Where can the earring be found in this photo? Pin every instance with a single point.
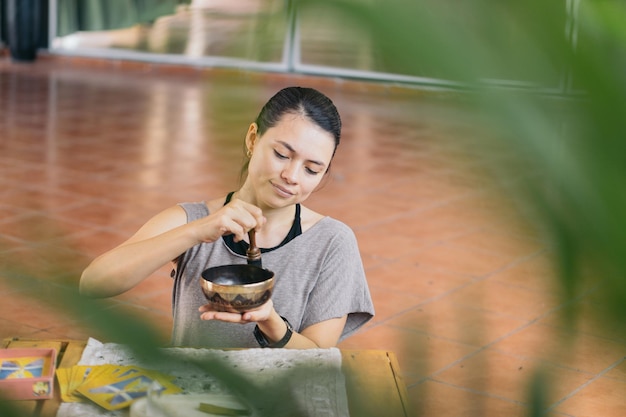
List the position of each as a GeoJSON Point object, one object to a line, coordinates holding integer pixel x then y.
{"type": "Point", "coordinates": [249, 153]}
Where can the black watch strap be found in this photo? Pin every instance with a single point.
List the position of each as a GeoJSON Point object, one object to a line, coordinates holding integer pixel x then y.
{"type": "Point", "coordinates": [264, 343]}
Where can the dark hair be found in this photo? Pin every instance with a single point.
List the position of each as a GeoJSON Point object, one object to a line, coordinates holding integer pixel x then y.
{"type": "Point", "coordinates": [304, 101]}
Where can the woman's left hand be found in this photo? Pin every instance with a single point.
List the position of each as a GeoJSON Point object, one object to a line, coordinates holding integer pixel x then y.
{"type": "Point", "coordinates": [324, 334]}
{"type": "Point", "coordinates": [259, 314]}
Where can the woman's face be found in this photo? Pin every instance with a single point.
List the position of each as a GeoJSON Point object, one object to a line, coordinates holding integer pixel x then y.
{"type": "Point", "coordinates": [288, 161]}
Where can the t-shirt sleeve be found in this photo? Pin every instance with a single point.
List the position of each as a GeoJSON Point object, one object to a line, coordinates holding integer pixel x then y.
{"type": "Point", "coordinates": [342, 287]}
{"type": "Point", "coordinates": [195, 210]}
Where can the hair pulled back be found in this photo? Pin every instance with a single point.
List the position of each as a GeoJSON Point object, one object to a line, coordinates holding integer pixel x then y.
{"type": "Point", "coordinates": [303, 101]}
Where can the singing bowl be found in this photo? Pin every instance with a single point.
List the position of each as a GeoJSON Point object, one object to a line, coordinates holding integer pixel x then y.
{"type": "Point", "coordinates": [237, 288]}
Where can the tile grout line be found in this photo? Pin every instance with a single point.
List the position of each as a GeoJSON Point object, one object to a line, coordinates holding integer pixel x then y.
{"type": "Point", "coordinates": [584, 385]}
{"type": "Point", "coordinates": [490, 344]}
{"type": "Point", "coordinates": [472, 281]}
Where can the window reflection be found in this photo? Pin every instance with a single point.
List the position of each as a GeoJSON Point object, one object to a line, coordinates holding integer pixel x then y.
{"type": "Point", "coordinates": [253, 30]}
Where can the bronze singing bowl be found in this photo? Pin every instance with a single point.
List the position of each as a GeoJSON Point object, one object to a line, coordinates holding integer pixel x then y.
{"type": "Point", "coordinates": [237, 288]}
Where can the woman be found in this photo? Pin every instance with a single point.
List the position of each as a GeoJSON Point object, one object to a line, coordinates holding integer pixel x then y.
{"type": "Point", "coordinates": [320, 294]}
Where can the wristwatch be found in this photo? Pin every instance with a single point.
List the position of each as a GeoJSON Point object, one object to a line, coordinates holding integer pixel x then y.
{"type": "Point", "coordinates": [264, 343]}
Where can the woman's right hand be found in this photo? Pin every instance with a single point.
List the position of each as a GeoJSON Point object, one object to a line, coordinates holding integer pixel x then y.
{"type": "Point", "coordinates": [237, 218]}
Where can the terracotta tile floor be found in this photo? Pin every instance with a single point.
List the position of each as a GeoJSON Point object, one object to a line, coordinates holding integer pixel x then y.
{"type": "Point", "coordinates": [465, 297]}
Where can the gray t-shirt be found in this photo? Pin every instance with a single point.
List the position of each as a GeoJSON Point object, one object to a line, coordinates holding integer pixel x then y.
{"type": "Point", "coordinates": [318, 276]}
